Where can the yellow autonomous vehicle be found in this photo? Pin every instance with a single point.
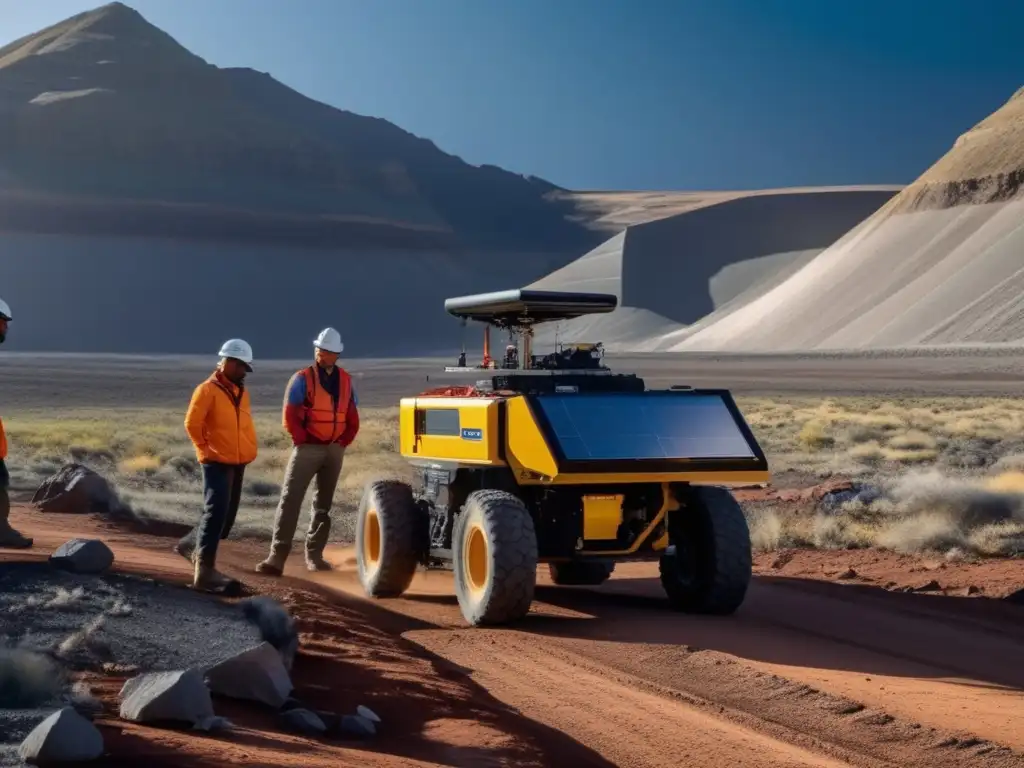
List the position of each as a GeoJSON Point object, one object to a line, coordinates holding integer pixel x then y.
{"type": "Point", "coordinates": [556, 459]}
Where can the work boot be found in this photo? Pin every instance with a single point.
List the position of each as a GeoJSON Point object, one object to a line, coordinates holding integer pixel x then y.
{"type": "Point", "coordinates": [207, 579]}
{"type": "Point", "coordinates": [315, 562]}
{"type": "Point", "coordinates": [270, 567]}
{"type": "Point", "coordinates": [316, 540]}
{"type": "Point", "coordinates": [11, 539]}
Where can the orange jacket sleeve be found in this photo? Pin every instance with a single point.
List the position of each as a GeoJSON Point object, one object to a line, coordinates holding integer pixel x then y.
{"type": "Point", "coordinates": [195, 417]}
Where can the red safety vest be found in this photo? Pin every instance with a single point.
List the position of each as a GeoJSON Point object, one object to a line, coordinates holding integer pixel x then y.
{"type": "Point", "coordinates": [325, 420]}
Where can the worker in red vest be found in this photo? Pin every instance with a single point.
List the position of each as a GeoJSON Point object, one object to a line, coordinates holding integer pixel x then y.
{"type": "Point", "coordinates": [320, 413]}
{"type": "Point", "coordinates": [9, 538]}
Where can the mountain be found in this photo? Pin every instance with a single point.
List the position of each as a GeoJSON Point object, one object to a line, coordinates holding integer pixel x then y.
{"type": "Point", "coordinates": [109, 126]}
{"type": "Point", "coordinates": [938, 265]}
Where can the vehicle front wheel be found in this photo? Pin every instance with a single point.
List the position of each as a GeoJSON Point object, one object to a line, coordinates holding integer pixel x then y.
{"type": "Point", "coordinates": [709, 564]}
{"type": "Point", "coordinates": [494, 549]}
{"type": "Point", "coordinates": [388, 538]}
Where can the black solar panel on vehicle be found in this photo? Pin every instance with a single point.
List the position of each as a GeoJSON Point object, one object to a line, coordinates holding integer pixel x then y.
{"type": "Point", "coordinates": [649, 425]}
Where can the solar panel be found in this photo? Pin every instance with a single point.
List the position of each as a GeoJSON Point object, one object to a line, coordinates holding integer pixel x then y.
{"type": "Point", "coordinates": [648, 425]}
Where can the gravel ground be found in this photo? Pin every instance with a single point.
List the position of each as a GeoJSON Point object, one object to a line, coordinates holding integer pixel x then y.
{"type": "Point", "coordinates": [86, 622]}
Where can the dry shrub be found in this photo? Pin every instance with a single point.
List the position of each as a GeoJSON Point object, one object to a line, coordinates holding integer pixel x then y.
{"type": "Point", "coordinates": [28, 679]}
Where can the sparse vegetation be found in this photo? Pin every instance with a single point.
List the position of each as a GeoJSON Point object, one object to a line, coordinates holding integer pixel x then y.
{"type": "Point", "coordinates": [147, 456]}
{"type": "Point", "coordinates": [952, 468]}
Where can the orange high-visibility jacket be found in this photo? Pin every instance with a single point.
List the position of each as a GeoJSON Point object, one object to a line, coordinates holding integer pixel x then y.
{"type": "Point", "coordinates": [3, 441]}
{"type": "Point", "coordinates": [219, 422]}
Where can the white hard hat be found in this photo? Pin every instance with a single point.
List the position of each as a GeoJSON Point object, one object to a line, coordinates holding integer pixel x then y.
{"type": "Point", "coordinates": [329, 340]}
{"type": "Point", "coordinates": [5, 310]}
{"type": "Point", "coordinates": [238, 349]}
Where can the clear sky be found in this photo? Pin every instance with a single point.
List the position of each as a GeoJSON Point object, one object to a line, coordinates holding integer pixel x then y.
{"type": "Point", "coordinates": [629, 94]}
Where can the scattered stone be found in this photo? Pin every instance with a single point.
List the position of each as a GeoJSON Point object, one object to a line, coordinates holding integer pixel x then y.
{"type": "Point", "coordinates": [256, 674]}
{"type": "Point", "coordinates": [275, 624]}
{"type": "Point", "coordinates": [971, 589]}
{"type": "Point", "coordinates": [159, 696]}
{"type": "Point", "coordinates": [82, 699]}
{"type": "Point", "coordinates": [331, 720]}
{"type": "Point", "coordinates": [356, 727]}
{"type": "Point", "coordinates": [76, 489]}
{"type": "Point", "coordinates": [849, 573]}
{"type": "Point", "coordinates": [303, 721]}
{"type": "Point", "coordinates": [63, 737]}
{"type": "Point", "coordinates": [368, 713]}
{"type": "Point", "coordinates": [931, 586]}
{"type": "Point", "coordinates": [782, 560]}
{"type": "Point", "coordinates": [213, 724]}
{"type": "Point", "coordinates": [83, 556]}
{"type": "Point", "coordinates": [291, 703]}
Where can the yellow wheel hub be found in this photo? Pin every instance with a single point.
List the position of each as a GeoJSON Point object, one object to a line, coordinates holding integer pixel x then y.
{"type": "Point", "coordinates": [476, 560]}
{"type": "Point", "coordinates": [371, 538]}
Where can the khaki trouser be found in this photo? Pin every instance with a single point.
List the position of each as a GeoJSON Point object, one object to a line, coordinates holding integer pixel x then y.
{"type": "Point", "coordinates": [321, 463]}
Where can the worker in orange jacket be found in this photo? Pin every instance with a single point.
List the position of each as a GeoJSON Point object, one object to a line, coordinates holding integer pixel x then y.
{"type": "Point", "coordinates": [9, 538]}
{"type": "Point", "coordinates": [321, 414]}
{"type": "Point", "coordinates": [219, 422]}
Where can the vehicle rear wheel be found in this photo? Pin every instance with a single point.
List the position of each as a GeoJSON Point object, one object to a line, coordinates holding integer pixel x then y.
{"type": "Point", "coordinates": [581, 572]}
{"type": "Point", "coordinates": [388, 532]}
{"type": "Point", "coordinates": [494, 549]}
{"type": "Point", "coordinates": [709, 564]}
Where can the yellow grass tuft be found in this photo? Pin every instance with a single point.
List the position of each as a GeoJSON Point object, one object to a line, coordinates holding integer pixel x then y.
{"type": "Point", "coordinates": [1006, 482]}
{"type": "Point", "coordinates": [141, 464]}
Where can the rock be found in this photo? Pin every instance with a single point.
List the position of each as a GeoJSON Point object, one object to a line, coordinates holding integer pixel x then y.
{"type": "Point", "coordinates": [275, 624]}
{"type": "Point", "coordinates": [931, 586]}
{"type": "Point", "coordinates": [255, 674]}
{"type": "Point", "coordinates": [213, 724]}
{"type": "Point", "coordinates": [76, 489]}
{"type": "Point", "coordinates": [832, 495]}
{"type": "Point", "coordinates": [971, 589]}
{"type": "Point", "coordinates": [849, 573]}
{"type": "Point", "coordinates": [291, 703]}
{"type": "Point", "coordinates": [356, 727]}
{"type": "Point", "coordinates": [368, 713]}
{"type": "Point", "coordinates": [331, 720]}
{"type": "Point", "coordinates": [63, 737]}
{"type": "Point", "coordinates": [781, 560]}
{"type": "Point", "coordinates": [83, 556]}
{"type": "Point", "coordinates": [303, 721]}
{"type": "Point", "coordinates": [158, 696]}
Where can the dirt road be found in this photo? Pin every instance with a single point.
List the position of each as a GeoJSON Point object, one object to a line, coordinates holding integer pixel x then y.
{"type": "Point", "coordinates": [806, 674]}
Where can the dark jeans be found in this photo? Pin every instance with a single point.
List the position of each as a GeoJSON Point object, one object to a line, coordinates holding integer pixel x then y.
{"type": "Point", "coordinates": [222, 492]}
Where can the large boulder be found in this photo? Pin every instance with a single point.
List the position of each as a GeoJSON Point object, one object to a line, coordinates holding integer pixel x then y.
{"type": "Point", "coordinates": [63, 737]}
{"type": "Point", "coordinates": [256, 674]}
{"type": "Point", "coordinates": [83, 556]}
{"type": "Point", "coordinates": [275, 624]}
{"type": "Point", "coordinates": [180, 696]}
{"type": "Point", "coordinates": [76, 489]}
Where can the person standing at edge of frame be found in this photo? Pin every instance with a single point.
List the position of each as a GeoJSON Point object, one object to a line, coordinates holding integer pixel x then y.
{"type": "Point", "coordinates": [9, 538]}
{"type": "Point", "coordinates": [321, 414]}
{"type": "Point", "coordinates": [219, 422]}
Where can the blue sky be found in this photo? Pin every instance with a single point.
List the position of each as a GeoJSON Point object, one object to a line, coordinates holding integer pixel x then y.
{"type": "Point", "coordinates": [629, 94]}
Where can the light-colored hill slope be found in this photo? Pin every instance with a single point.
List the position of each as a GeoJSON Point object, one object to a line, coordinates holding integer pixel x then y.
{"type": "Point", "coordinates": [941, 264]}
{"type": "Point", "coordinates": [669, 273]}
